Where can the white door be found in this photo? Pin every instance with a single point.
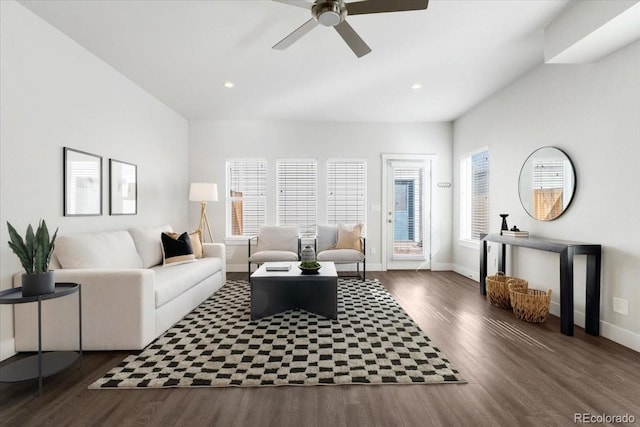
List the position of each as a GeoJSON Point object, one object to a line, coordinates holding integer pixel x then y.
{"type": "Point", "coordinates": [407, 212]}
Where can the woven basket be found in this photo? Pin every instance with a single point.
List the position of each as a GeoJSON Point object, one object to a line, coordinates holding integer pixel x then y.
{"type": "Point", "coordinates": [531, 305]}
{"type": "Point", "coordinates": [498, 290]}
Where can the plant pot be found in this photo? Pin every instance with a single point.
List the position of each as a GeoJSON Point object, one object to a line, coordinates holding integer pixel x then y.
{"type": "Point", "coordinates": [38, 284]}
{"type": "Point", "coordinates": [308, 254]}
{"type": "Point", "coordinates": [310, 270]}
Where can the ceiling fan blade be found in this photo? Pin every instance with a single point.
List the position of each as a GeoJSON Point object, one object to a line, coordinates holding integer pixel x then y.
{"type": "Point", "coordinates": [382, 6]}
{"type": "Point", "coordinates": [296, 35]}
{"type": "Point", "coordinates": [299, 3]}
{"type": "Point", "coordinates": [357, 45]}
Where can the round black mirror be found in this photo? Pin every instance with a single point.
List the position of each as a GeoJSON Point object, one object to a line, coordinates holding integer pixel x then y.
{"type": "Point", "coordinates": [547, 183]}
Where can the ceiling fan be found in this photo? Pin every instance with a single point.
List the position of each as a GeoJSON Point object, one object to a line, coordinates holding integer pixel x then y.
{"type": "Point", "coordinates": [333, 13]}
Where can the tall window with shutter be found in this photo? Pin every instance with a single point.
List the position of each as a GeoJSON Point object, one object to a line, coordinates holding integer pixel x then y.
{"type": "Point", "coordinates": [474, 195]}
{"type": "Point", "coordinates": [346, 191]}
{"type": "Point", "coordinates": [246, 196]}
{"type": "Point", "coordinates": [296, 187]}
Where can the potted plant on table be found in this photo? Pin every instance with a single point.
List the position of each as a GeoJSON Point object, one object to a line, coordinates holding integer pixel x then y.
{"type": "Point", "coordinates": [34, 253]}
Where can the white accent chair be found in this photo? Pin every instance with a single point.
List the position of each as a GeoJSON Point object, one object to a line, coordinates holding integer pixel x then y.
{"type": "Point", "coordinates": [274, 244]}
{"type": "Point", "coordinates": [326, 239]}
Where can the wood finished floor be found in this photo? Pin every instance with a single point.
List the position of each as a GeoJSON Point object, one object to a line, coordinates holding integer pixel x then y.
{"type": "Point", "coordinates": [518, 374]}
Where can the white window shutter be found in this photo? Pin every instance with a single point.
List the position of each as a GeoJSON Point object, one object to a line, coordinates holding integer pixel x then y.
{"type": "Point", "coordinates": [346, 191]}
{"type": "Point", "coordinates": [296, 186]}
{"type": "Point", "coordinates": [246, 196]}
{"type": "Point", "coordinates": [479, 194]}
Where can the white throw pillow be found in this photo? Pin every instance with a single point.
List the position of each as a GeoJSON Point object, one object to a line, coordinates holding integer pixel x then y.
{"type": "Point", "coordinates": [149, 244]}
{"type": "Point", "coordinates": [109, 249]}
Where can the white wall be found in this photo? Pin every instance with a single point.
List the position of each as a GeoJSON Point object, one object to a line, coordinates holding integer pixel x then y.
{"type": "Point", "coordinates": [592, 112]}
{"type": "Point", "coordinates": [54, 93]}
{"type": "Point", "coordinates": [211, 143]}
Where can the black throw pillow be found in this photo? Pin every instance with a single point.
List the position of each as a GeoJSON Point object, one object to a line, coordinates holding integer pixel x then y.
{"type": "Point", "coordinates": [177, 250]}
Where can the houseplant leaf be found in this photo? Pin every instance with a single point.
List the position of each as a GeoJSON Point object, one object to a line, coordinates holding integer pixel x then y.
{"type": "Point", "coordinates": [18, 247]}
{"type": "Point", "coordinates": [41, 246]}
{"type": "Point", "coordinates": [30, 240]}
{"type": "Point", "coordinates": [52, 245]}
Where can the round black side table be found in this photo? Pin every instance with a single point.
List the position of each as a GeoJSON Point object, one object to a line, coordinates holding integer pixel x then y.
{"type": "Point", "coordinates": [43, 364]}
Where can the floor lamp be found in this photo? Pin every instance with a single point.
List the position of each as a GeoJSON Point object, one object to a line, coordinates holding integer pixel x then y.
{"type": "Point", "coordinates": [203, 192]}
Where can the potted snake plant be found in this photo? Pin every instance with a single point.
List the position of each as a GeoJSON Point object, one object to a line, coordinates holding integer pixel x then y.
{"type": "Point", "coordinates": [34, 252]}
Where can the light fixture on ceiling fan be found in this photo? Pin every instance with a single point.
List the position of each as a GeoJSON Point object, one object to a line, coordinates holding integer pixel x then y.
{"type": "Point", "coordinates": [333, 13]}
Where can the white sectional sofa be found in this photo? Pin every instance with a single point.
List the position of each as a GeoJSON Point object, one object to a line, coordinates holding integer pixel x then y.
{"type": "Point", "coordinates": [128, 297]}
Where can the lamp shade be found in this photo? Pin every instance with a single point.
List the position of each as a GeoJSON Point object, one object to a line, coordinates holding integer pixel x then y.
{"type": "Point", "coordinates": [203, 191]}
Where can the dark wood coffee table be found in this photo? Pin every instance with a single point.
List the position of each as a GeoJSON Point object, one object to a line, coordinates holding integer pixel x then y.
{"type": "Point", "coordinates": [277, 291]}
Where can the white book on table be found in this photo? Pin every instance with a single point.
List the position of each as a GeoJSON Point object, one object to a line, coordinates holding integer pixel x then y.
{"type": "Point", "coordinates": [278, 266]}
{"type": "Point", "coordinates": [515, 233]}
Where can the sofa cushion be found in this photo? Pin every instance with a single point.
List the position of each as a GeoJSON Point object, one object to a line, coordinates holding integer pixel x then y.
{"type": "Point", "coordinates": [149, 244]}
{"type": "Point", "coordinates": [177, 248]}
{"type": "Point", "coordinates": [278, 238]}
{"type": "Point", "coordinates": [108, 249]}
{"type": "Point", "coordinates": [171, 282]}
{"type": "Point", "coordinates": [339, 256]}
{"type": "Point", "coordinates": [270, 256]}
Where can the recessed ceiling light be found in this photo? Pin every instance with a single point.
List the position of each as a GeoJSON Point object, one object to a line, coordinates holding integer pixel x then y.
{"type": "Point", "coordinates": [416, 86]}
{"type": "Point", "coordinates": [228, 85]}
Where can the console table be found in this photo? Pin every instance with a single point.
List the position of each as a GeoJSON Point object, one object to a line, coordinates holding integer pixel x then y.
{"type": "Point", "coordinates": [43, 364]}
{"type": "Point", "coordinates": [566, 250]}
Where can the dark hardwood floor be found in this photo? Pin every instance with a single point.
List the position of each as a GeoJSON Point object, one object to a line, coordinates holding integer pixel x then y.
{"type": "Point", "coordinates": [518, 374]}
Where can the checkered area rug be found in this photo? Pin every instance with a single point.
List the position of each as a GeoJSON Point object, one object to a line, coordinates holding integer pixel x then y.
{"type": "Point", "coordinates": [373, 341]}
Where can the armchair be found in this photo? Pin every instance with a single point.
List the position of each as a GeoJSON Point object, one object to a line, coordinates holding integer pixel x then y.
{"type": "Point", "coordinates": [274, 243]}
{"type": "Point", "coordinates": [329, 247]}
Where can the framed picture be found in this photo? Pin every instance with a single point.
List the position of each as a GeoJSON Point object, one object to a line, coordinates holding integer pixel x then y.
{"type": "Point", "coordinates": [123, 188]}
{"type": "Point", "coordinates": [82, 183]}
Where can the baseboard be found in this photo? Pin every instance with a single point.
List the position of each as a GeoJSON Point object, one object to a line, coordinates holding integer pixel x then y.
{"type": "Point", "coordinates": [471, 274]}
{"type": "Point", "coordinates": [443, 266]}
{"type": "Point", "coordinates": [578, 316]}
{"type": "Point", "coordinates": [620, 335]}
{"type": "Point", "coordinates": [7, 348]}
{"type": "Point", "coordinates": [607, 330]}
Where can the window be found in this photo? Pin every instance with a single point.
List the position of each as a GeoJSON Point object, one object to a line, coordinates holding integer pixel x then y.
{"type": "Point", "coordinates": [474, 195]}
{"type": "Point", "coordinates": [346, 191]}
{"type": "Point", "coordinates": [296, 181]}
{"type": "Point", "coordinates": [246, 197]}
